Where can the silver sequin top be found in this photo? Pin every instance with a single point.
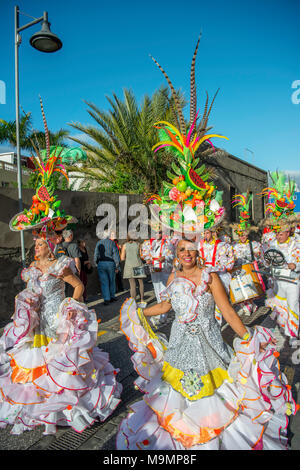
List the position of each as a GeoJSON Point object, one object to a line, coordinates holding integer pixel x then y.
{"type": "Point", "coordinates": [195, 341]}
{"type": "Point", "coordinates": [51, 291]}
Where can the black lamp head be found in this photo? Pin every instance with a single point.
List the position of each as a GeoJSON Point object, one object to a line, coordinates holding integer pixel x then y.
{"type": "Point", "coordinates": [44, 40]}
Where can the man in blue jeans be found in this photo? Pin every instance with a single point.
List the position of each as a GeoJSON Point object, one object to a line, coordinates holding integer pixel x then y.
{"type": "Point", "coordinates": [107, 260]}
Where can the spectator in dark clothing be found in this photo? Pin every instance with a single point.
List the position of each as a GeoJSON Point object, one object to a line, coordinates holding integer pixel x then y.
{"type": "Point", "coordinates": [59, 250]}
{"type": "Point", "coordinates": [74, 252]}
{"type": "Point", "coordinates": [119, 280]}
{"type": "Point", "coordinates": [107, 260]}
{"type": "Point", "coordinates": [72, 248]}
{"type": "Point", "coordinates": [85, 265]}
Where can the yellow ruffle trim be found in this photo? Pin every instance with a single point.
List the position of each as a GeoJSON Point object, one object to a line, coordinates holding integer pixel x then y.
{"type": "Point", "coordinates": [40, 340]}
{"type": "Point", "coordinates": [148, 328]}
{"type": "Point", "coordinates": [211, 381]}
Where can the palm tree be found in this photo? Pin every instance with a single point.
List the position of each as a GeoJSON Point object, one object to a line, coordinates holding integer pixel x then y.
{"type": "Point", "coordinates": [120, 156]}
{"type": "Point", "coordinates": [8, 132]}
{"type": "Point", "coordinates": [30, 140]}
{"type": "Point", "coordinates": [28, 136]}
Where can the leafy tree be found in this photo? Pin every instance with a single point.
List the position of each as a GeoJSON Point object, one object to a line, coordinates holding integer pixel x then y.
{"type": "Point", "coordinates": [31, 139]}
{"type": "Point", "coordinates": [28, 136]}
{"type": "Point", "coordinates": [119, 150]}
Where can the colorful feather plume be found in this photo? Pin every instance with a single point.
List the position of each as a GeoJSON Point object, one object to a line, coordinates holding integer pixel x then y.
{"type": "Point", "coordinates": [243, 201]}
{"type": "Point", "coordinates": [191, 197]}
{"type": "Point", "coordinates": [52, 163]}
{"type": "Point", "coordinates": [280, 205]}
{"type": "Point", "coordinates": [179, 141]}
{"type": "Point", "coordinates": [45, 208]}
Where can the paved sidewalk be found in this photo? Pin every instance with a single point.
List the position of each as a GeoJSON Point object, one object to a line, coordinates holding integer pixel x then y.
{"type": "Point", "coordinates": [101, 436]}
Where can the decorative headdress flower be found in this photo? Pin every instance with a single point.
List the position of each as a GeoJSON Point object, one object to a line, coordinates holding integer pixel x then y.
{"type": "Point", "coordinates": [47, 235]}
{"type": "Point", "coordinates": [45, 208]}
{"type": "Point", "coordinates": [191, 201]}
{"type": "Point", "coordinates": [280, 205]}
{"type": "Point", "coordinates": [243, 201]}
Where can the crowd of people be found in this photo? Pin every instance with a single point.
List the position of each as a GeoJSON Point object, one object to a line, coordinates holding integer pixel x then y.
{"type": "Point", "coordinates": [51, 373]}
{"type": "Point", "coordinates": [220, 251]}
{"type": "Point", "coordinates": [177, 266]}
{"type": "Point", "coordinates": [199, 393]}
{"type": "Point", "coordinates": [239, 263]}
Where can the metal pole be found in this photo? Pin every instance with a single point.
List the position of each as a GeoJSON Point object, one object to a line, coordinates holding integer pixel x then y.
{"type": "Point", "coordinates": [19, 168]}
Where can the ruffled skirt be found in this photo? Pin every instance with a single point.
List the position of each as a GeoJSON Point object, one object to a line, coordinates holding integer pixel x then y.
{"type": "Point", "coordinates": [249, 410]}
{"type": "Point", "coordinates": [66, 381]}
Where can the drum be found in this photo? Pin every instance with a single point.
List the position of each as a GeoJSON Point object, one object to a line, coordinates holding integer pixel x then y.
{"type": "Point", "coordinates": [245, 284]}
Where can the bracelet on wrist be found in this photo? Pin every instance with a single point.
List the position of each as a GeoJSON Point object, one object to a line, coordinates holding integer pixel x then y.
{"type": "Point", "coordinates": [248, 335]}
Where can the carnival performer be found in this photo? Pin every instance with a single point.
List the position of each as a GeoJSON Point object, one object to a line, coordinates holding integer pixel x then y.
{"type": "Point", "coordinates": [145, 250]}
{"type": "Point", "coordinates": [160, 259]}
{"type": "Point", "coordinates": [283, 294]}
{"type": "Point", "coordinates": [220, 234]}
{"type": "Point", "coordinates": [51, 372]}
{"type": "Point", "coordinates": [199, 394]}
{"type": "Point", "coordinates": [268, 236]}
{"type": "Point", "coordinates": [294, 232]}
{"type": "Point", "coordinates": [219, 257]}
{"type": "Point", "coordinates": [247, 252]}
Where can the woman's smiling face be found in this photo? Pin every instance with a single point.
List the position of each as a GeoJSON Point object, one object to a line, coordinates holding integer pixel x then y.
{"type": "Point", "coordinates": [187, 253]}
{"type": "Point", "coordinates": [41, 248]}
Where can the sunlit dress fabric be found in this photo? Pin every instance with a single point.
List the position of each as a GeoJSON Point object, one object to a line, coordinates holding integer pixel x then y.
{"type": "Point", "coordinates": [243, 255]}
{"type": "Point", "coordinates": [199, 394]}
{"type": "Point", "coordinates": [51, 372]}
{"type": "Point", "coordinates": [283, 297]}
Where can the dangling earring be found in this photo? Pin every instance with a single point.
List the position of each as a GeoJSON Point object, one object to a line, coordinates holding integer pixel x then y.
{"type": "Point", "coordinates": [177, 265]}
{"type": "Point", "coordinates": [200, 262]}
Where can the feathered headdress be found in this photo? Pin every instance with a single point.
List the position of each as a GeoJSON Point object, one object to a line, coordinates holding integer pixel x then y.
{"type": "Point", "coordinates": [243, 201]}
{"type": "Point", "coordinates": [190, 202]}
{"type": "Point", "coordinates": [280, 205]}
{"type": "Point", "coordinates": [45, 208]}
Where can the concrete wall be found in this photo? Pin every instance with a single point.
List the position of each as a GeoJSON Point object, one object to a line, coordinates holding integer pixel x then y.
{"type": "Point", "coordinates": [8, 175]}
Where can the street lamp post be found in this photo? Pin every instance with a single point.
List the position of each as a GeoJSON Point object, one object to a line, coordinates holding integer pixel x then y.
{"type": "Point", "coordinates": [44, 41]}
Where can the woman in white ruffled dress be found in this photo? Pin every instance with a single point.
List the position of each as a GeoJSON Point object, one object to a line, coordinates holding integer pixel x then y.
{"type": "Point", "coordinates": [51, 373]}
{"type": "Point", "coordinates": [199, 394]}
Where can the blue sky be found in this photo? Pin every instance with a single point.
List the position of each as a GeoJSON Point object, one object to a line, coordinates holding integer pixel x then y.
{"type": "Point", "coordinates": [249, 48]}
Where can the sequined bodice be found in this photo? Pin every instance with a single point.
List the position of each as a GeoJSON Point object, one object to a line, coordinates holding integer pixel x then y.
{"type": "Point", "coordinates": [195, 339]}
{"type": "Point", "coordinates": [51, 291]}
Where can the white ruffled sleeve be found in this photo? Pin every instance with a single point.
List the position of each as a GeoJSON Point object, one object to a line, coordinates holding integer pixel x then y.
{"type": "Point", "coordinates": [148, 348]}
{"type": "Point", "coordinates": [62, 263]}
{"type": "Point", "coordinates": [166, 294]}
